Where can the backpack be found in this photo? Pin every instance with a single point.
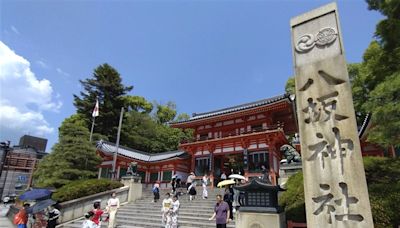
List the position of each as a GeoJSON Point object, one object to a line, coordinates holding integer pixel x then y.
{"type": "Point", "coordinates": [155, 190]}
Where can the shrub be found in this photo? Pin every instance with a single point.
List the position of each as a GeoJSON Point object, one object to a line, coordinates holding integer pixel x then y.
{"type": "Point", "coordinates": [293, 199]}
{"type": "Point", "coordinates": [81, 188]}
{"type": "Point", "coordinates": [383, 179]}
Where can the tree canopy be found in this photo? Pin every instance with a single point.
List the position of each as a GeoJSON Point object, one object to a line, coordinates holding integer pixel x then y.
{"type": "Point", "coordinates": [383, 179]}
{"type": "Point", "coordinates": [145, 124]}
{"type": "Point", "coordinates": [73, 157]}
{"type": "Point", "coordinates": [106, 86]}
{"type": "Point", "coordinates": [376, 80]}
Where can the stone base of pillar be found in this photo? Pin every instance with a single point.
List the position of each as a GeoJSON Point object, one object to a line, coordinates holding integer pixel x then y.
{"type": "Point", "coordinates": [260, 220]}
{"type": "Point", "coordinates": [135, 187]}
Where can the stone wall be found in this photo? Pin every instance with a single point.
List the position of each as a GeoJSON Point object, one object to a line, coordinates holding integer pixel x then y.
{"type": "Point", "coordinates": [76, 208]}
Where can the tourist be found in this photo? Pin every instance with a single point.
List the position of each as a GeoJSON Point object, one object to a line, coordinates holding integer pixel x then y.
{"type": "Point", "coordinates": [178, 181]}
{"type": "Point", "coordinates": [165, 207]}
{"type": "Point", "coordinates": [88, 222]}
{"type": "Point", "coordinates": [97, 214]}
{"type": "Point", "coordinates": [236, 194]}
{"type": "Point", "coordinates": [204, 182]}
{"type": "Point", "coordinates": [172, 218]}
{"type": "Point", "coordinates": [190, 180]}
{"type": "Point", "coordinates": [221, 213]}
{"type": "Point", "coordinates": [112, 208]}
{"type": "Point", "coordinates": [173, 184]}
{"type": "Point", "coordinates": [192, 191]}
{"type": "Point", "coordinates": [156, 192]}
{"type": "Point", "coordinates": [21, 218]}
{"type": "Point", "coordinates": [223, 176]}
{"type": "Point", "coordinates": [52, 216]}
{"type": "Point", "coordinates": [265, 175]}
{"type": "Point", "coordinates": [228, 197]}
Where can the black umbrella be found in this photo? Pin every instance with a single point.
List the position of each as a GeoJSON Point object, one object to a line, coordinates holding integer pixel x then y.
{"type": "Point", "coordinates": [41, 205]}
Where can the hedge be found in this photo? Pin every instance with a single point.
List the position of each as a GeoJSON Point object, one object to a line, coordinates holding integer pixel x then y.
{"type": "Point", "coordinates": [383, 179]}
{"type": "Point", "coordinates": [82, 188]}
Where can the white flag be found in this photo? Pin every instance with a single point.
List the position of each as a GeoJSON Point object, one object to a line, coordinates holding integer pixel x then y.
{"type": "Point", "coordinates": [96, 109]}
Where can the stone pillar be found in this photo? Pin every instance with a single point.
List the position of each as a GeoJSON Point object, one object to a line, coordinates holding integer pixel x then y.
{"type": "Point", "coordinates": [135, 187]}
{"type": "Point", "coordinates": [335, 188]}
{"type": "Point", "coordinates": [260, 220]}
{"type": "Point", "coordinates": [99, 175]}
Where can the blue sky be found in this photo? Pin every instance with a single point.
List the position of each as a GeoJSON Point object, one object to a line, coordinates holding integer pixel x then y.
{"type": "Point", "coordinates": [203, 55]}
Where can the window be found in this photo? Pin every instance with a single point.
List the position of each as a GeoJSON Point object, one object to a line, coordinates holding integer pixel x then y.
{"type": "Point", "coordinates": [257, 159]}
{"type": "Point", "coordinates": [167, 175]}
{"type": "Point", "coordinates": [203, 137]}
{"type": "Point", "coordinates": [105, 173]}
{"type": "Point", "coordinates": [256, 127]}
{"type": "Point", "coordinates": [153, 177]}
{"type": "Point", "coordinates": [122, 172]}
{"type": "Point", "coordinates": [142, 175]}
{"type": "Point", "coordinates": [202, 166]}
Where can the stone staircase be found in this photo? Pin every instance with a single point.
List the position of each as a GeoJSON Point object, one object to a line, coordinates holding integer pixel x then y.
{"type": "Point", "coordinates": [145, 213]}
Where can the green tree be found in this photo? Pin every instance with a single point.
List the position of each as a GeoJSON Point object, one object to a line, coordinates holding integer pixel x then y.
{"type": "Point", "coordinates": [73, 157]}
{"type": "Point", "coordinates": [375, 82]}
{"type": "Point", "coordinates": [182, 117]}
{"type": "Point", "coordinates": [105, 85]}
{"type": "Point", "coordinates": [138, 104]}
{"type": "Point", "coordinates": [165, 113]}
{"type": "Point", "coordinates": [290, 86]}
{"type": "Point", "coordinates": [383, 180]}
{"type": "Point", "coordinates": [141, 132]}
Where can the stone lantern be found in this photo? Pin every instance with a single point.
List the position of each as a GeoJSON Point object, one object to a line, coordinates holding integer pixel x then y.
{"type": "Point", "coordinates": [260, 206]}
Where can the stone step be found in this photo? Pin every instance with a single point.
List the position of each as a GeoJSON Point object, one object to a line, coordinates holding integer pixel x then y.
{"type": "Point", "coordinates": [182, 210]}
{"type": "Point", "coordinates": [184, 203]}
{"type": "Point", "coordinates": [157, 218]}
{"type": "Point", "coordinates": [78, 224]}
{"type": "Point", "coordinates": [158, 207]}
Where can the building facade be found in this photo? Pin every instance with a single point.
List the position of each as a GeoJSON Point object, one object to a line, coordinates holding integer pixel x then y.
{"type": "Point", "coordinates": [19, 164]}
{"type": "Point", "coordinates": [241, 139]}
{"type": "Point", "coordinates": [151, 167]}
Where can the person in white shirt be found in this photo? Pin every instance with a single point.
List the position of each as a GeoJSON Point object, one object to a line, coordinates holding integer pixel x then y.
{"type": "Point", "coordinates": [166, 205]}
{"type": "Point", "coordinates": [204, 182]}
{"type": "Point", "coordinates": [190, 180]}
{"type": "Point", "coordinates": [112, 208]}
{"type": "Point", "coordinates": [223, 176]}
{"type": "Point", "coordinates": [88, 223]}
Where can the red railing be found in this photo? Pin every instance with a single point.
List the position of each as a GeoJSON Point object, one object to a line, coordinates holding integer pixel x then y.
{"type": "Point", "coordinates": [291, 224]}
{"type": "Point", "coordinates": [233, 133]}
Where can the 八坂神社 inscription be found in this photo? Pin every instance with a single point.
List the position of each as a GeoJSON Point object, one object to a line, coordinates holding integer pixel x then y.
{"type": "Point", "coordinates": [334, 179]}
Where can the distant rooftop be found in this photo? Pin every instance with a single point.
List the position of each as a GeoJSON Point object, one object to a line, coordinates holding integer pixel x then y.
{"type": "Point", "coordinates": [33, 141]}
{"type": "Point", "coordinates": [236, 108]}
{"type": "Point", "coordinates": [110, 148]}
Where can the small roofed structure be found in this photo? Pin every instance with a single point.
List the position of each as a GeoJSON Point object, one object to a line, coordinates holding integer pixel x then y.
{"type": "Point", "coordinates": [260, 196]}
{"type": "Point", "coordinates": [151, 167]}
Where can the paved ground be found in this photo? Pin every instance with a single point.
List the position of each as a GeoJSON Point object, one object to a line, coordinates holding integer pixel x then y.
{"type": "Point", "coordinates": [4, 221]}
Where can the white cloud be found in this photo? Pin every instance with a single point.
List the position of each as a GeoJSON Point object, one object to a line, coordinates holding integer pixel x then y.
{"type": "Point", "coordinates": [23, 97]}
{"type": "Point", "coordinates": [63, 73]}
{"type": "Point", "coordinates": [15, 30]}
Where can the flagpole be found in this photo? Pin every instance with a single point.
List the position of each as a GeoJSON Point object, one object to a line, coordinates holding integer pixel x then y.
{"type": "Point", "coordinates": [94, 114]}
{"type": "Point", "coordinates": [91, 131]}
{"type": "Point", "coordinates": [117, 145]}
